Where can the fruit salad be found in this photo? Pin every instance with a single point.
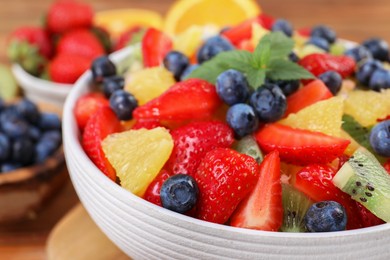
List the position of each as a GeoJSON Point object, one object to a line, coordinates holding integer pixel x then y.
{"type": "Point", "coordinates": [256, 126]}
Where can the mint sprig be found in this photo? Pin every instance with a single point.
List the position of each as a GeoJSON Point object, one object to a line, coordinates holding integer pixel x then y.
{"type": "Point", "coordinates": [269, 60]}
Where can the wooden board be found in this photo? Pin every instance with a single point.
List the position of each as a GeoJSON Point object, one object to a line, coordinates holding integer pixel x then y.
{"type": "Point", "coordinates": [77, 237]}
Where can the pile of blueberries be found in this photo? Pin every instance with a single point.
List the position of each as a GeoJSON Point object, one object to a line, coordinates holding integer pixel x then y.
{"type": "Point", "coordinates": [27, 135]}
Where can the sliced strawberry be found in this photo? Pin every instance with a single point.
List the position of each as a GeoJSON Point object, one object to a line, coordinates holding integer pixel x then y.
{"type": "Point", "coordinates": [152, 193]}
{"type": "Point", "coordinates": [101, 124]}
{"type": "Point", "coordinates": [318, 63]}
{"type": "Point", "coordinates": [190, 99]}
{"type": "Point", "coordinates": [304, 32]}
{"type": "Point", "coordinates": [224, 178]}
{"type": "Point", "coordinates": [87, 105]}
{"type": "Point", "coordinates": [368, 219]}
{"type": "Point", "coordinates": [299, 146]}
{"type": "Point", "coordinates": [193, 141]}
{"type": "Point", "coordinates": [133, 35]}
{"type": "Point", "coordinates": [309, 94]}
{"type": "Point", "coordinates": [246, 45]}
{"type": "Point", "coordinates": [155, 45]}
{"type": "Point", "coordinates": [386, 165]}
{"type": "Point", "coordinates": [147, 124]}
{"type": "Point", "coordinates": [316, 182]}
{"type": "Point", "coordinates": [243, 31]}
{"type": "Point", "coordinates": [262, 209]}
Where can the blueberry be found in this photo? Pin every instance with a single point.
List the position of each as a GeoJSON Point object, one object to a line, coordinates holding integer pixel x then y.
{"type": "Point", "coordinates": [102, 67]}
{"type": "Point", "coordinates": [325, 216]}
{"type": "Point", "coordinates": [2, 104]}
{"type": "Point", "coordinates": [319, 42]}
{"type": "Point", "coordinates": [179, 193]}
{"type": "Point", "coordinates": [10, 166]}
{"type": "Point", "coordinates": [112, 83]}
{"type": "Point", "coordinates": [49, 121]}
{"type": "Point", "coordinates": [332, 80]}
{"type": "Point", "coordinates": [378, 48]}
{"type": "Point", "coordinates": [232, 87]}
{"type": "Point", "coordinates": [269, 102]}
{"type": "Point", "coordinates": [380, 79]}
{"type": "Point", "coordinates": [5, 147]}
{"type": "Point", "coordinates": [358, 53]}
{"type": "Point", "coordinates": [212, 47]}
{"type": "Point", "coordinates": [293, 57]}
{"type": "Point", "coordinates": [287, 86]}
{"type": "Point", "coordinates": [365, 71]}
{"type": "Point", "coordinates": [34, 133]}
{"type": "Point", "coordinates": [324, 32]}
{"type": "Point", "coordinates": [28, 110]}
{"type": "Point", "coordinates": [380, 138]}
{"type": "Point", "coordinates": [188, 71]}
{"type": "Point", "coordinates": [15, 127]}
{"type": "Point", "coordinates": [22, 151]}
{"type": "Point", "coordinates": [47, 145]}
{"type": "Point", "coordinates": [284, 26]}
{"type": "Point", "coordinates": [176, 62]}
{"type": "Point", "coordinates": [123, 103]}
{"type": "Point", "coordinates": [242, 119]}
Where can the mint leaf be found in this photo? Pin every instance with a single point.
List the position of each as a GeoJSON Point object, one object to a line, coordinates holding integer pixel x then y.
{"type": "Point", "coordinates": [287, 70]}
{"type": "Point", "coordinates": [255, 77]}
{"type": "Point", "coordinates": [210, 70]}
{"type": "Point", "coordinates": [281, 45]}
{"type": "Point", "coordinates": [262, 53]}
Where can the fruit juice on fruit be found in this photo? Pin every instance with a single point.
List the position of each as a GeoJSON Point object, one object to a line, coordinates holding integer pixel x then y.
{"type": "Point", "coordinates": [205, 120]}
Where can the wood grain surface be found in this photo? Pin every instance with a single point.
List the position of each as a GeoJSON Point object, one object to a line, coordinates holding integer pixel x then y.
{"type": "Point", "coordinates": [352, 19]}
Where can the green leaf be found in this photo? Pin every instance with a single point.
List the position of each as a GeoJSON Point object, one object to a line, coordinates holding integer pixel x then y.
{"type": "Point", "coordinates": [210, 70]}
{"type": "Point", "coordinates": [287, 70]}
{"type": "Point", "coordinates": [256, 77]}
{"type": "Point", "coordinates": [281, 45]}
{"type": "Point", "coordinates": [262, 53]}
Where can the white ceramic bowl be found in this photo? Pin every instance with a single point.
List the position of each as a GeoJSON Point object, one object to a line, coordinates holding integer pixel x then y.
{"type": "Point", "coordinates": [40, 90]}
{"type": "Point", "coordinates": [145, 231]}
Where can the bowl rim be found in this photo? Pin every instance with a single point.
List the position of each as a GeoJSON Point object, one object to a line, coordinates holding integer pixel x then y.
{"type": "Point", "coordinates": [72, 145]}
{"type": "Point", "coordinates": [37, 84]}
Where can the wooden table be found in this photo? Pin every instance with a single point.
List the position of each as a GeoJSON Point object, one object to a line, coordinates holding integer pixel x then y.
{"type": "Point", "coordinates": [352, 19]}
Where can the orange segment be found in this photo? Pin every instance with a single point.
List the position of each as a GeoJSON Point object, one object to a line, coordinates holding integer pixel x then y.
{"type": "Point", "coordinates": [119, 20]}
{"type": "Point", "coordinates": [185, 13]}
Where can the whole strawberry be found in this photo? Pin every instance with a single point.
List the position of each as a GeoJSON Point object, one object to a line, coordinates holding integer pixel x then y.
{"type": "Point", "coordinates": [318, 63]}
{"type": "Point", "coordinates": [80, 42]}
{"type": "Point", "coordinates": [224, 178]}
{"type": "Point", "coordinates": [66, 15]}
{"type": "Point", "coordinates": [30, 47]}
{"type": "Point", "coordinates": [193, 141]}
{"type": "Point", "coordinates": [67, 68]}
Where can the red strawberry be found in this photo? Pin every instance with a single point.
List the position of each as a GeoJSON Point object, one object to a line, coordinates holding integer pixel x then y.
{"type": "Point", "coordinates": [155, 45]}
{"type": "Point", "coordinates": [299, 146]}
{"type": "Point", "coordinates": [193, 141]}
{"type": "Point", "coordinates": [87, 105]}
{"type": "Point", "coordinates": [130, 36]}
{"type": "Point", "coordinates": [190, 99]}
{"type": "Point", "coordinates": [67, 15]}
{"type": "Point", "coordinates": [318, 63]}
{"type": "Point", "coordinates": [224, 178]}
{"type": "Point", "coordinates": [263, 209]}
{"type": "Point", "coordinates": [80, 42]}
{"type": "Point", "coordinates": [147, 124]}
{"type": "Point", "coordinates": [368, 219]}
{"type": "Point", "coordinates": [316, 182]}
{"type": "Point", "coordinates": [101, 124]}
{"type": "Point", "coordinates": [152, 193]}
{"type": "Point", "coordinates": [67, 68]}
{"type": "Point", "coordinates": [387, 166]}
{"type": "Point", "coordinates": [304, 32]}
{"type": "Point", "coordinates": [309, 94]}
{"type": "Point", "coordinates": [243, 31]}
{"type": "Point", "coordinates": [30, 47]}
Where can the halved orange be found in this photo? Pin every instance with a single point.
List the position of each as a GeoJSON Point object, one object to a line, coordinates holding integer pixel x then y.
{"type": "Point", "coordinates": [185, 13]}
{"type": "Point", "coordinates": [118, 21]}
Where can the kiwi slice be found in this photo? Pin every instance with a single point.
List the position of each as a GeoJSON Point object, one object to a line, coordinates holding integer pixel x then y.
{"type": "Point", "coordinates": [248, 145]}
{"type": "Point", "coordinates": [8, 87]}
{"type": "Point", "coordinates": [365, 179]}
{"type": "Point", "coordinates": [295, 205]}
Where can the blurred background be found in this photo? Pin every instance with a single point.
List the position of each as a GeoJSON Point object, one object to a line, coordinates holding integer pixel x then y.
{"type": "Point", "coordinates": [352, 19]}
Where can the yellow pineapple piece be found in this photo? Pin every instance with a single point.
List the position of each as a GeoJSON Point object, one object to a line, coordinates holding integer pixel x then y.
{"type": "Point", "coordinates": [353, 145]}
{"type": "Point", "coordinates": [149, 83]}
{"type": "Point", "coordinates": [138, 156]}
{"type": "Point", "coordinates": [367, 106]}
{"type": "Point", "coordinates": [258, 32]}
{"type": "Point", "coordinates": [323, 116]}
{"type": "Point", "coordinates": [188, 41]}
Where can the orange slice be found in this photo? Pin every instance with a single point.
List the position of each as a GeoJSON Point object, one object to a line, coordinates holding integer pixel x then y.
{"type": "Point", "coordinates": [185, 13]}
{"type": "Point", "coordinates": [118, 21]}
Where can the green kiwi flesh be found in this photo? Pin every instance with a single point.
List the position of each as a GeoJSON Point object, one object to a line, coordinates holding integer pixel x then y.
{"type": "Point", "coordinates": [248, 145]}
{"type": "Point", "coordinates": [295, 205]}
{"type": "Point", "coordinates": [365, 179]}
